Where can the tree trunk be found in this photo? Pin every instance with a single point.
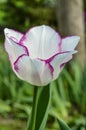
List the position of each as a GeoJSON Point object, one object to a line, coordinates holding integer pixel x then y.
{"type": "Point", "coordinates": [70, 19]}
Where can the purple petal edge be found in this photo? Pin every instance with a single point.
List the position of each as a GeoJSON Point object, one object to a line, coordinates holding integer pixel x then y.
{"type": "Point", "coordinates": [24, 36]}
{"type": "Point", "coordinates": [51, 58]}
{"type": "Point", "coordinates": [25, 48]}
{"type": "Point", "coordinates": [16, 66]}
{"type": "Point", "coordinates": [15, 63]}
{"type": "Point", "coordinates": [13, 38]}
{"type": "Point", "coordinates": [47, 61]}
{"type": "Point", "coordinates": [63, 64]}
{"type": "Point", "coordinates": [60, 43]}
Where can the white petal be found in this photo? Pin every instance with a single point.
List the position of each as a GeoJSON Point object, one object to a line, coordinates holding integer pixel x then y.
{"type": "Point", "coordinates": [33, 71]}
{"type": "Point", "coordinates": [14, 50]}
{"type": "Point", "coordinates": [58, 60]}
{"type": "Point", "coordinates": [42, 41]}
{"type": "Point", "coordinates": [69, 43]}
{"type": "Point", "coordinates": [14, 35]}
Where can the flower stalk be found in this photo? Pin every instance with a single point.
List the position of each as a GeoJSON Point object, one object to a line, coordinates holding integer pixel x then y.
{"type": "Point", "coordinates": [32, 122]}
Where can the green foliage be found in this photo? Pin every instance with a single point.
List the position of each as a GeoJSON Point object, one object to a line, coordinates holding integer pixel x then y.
{"type": "Point", "coordinates": [41, 104]}
{"type": "Point", "coordinates": [68, 95]}
{"type": "Point", "coordinates": [68, 91]}
{"type": "Point", "coordinates": [22, 15]}
{"type": "Point", "coordinates": [43, 107]}
{"type": "Point", "coordinates": [63, 125]}
{"type": "Point", "coordinates": [11, 124]}
{"type": "Point", "coordinates": [14, 92]}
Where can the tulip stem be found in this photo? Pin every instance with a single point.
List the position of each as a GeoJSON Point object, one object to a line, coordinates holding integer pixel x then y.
{"type": "Point", "coordinates": [32, 122]}
{"type": "Point", "coordinates": [34, 107]}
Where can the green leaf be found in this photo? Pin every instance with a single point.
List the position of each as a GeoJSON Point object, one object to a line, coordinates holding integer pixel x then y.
{"type": "Point", "coordinates": [63, 125]}
{"type": "Point", "coordinates": [43, 107]}
{"type": "Point", "coordinates": [4, 107]}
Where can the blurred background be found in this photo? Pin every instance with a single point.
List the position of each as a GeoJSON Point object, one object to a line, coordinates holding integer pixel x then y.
{"type": "Point", "coordinates": [69, 90]}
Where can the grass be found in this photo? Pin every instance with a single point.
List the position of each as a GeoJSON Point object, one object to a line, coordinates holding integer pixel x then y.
{"type": "Point", "coordinates": [68, 97]}
{"type": "Point", "coordinates": [10, 124]}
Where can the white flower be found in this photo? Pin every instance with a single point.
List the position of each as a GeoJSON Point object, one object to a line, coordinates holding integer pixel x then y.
{"type": "Point", "coordinates": [39, 55]}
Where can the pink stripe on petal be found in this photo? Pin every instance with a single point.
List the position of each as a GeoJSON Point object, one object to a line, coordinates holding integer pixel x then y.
{"type": "Point", "coordinates": [14, 39]}
{"type": "Point", "coordinates": [60, 61]}
{"type": "Point", "coordinates": [24, 36]}
{"type": "Point", "coordinates": [14, 49]}
{"type": "Point", "coordinates": [15, 63]}
{"type": "Point", "coordinates": [49, 65]}
{"type": "Point", "coordinates": [42, 41]}
{"type": "Point", "coordinates": [51, 69]}
{"type": "Point", "coordinates": [51, 58]}
{"type": "Point", "coordinates": [25, 48]}
{"type": "Point", "coordinates": [15, 35]}
{"type": "Point", "coordinates": [22, 39]}
{"type": "Point", "coordinates": [59, 45]}
{"type": "Point", "coordinates": [33, 71]}
{"type": "Point", "coordinates": [63, 64]}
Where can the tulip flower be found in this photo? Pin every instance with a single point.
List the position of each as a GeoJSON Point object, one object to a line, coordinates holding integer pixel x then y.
{"type": "Point", "coordinates": [39, 55]}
